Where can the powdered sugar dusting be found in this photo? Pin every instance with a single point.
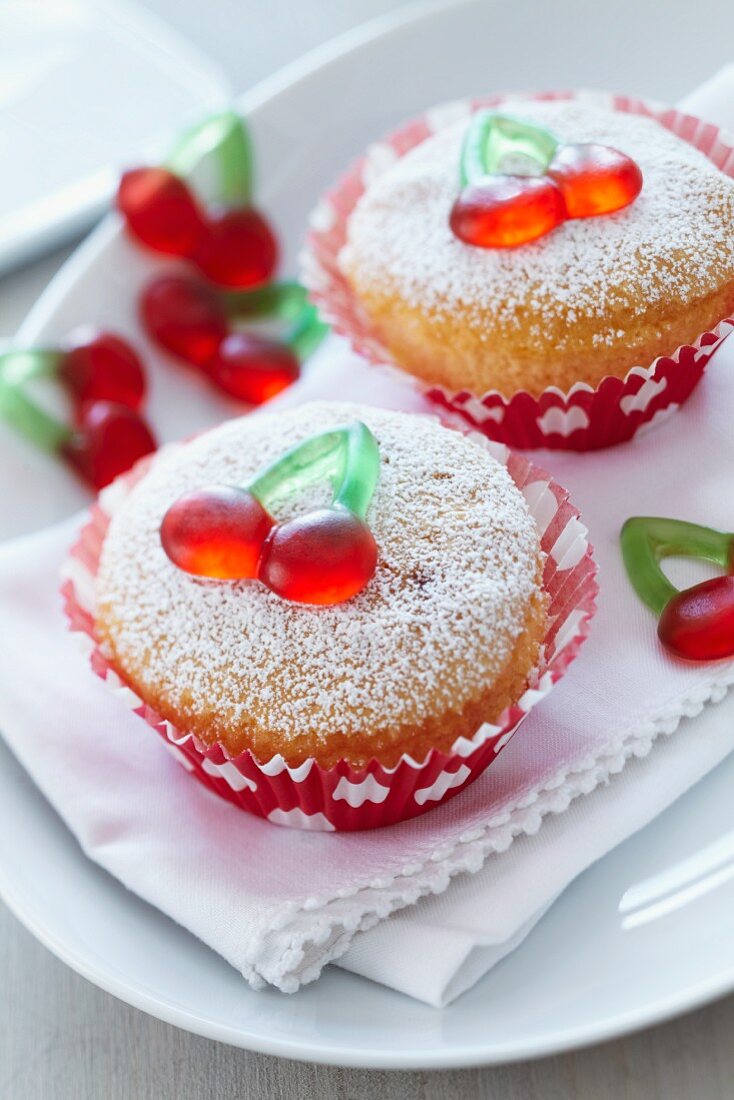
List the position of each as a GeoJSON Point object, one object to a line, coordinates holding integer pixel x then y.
{"type": "Point", "coordinates": [457, 569]}
{"type": "Point", "coordinates": [673, 242]}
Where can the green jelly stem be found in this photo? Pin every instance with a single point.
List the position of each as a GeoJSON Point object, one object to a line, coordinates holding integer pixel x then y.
{"type": "Point", "coordinates": [646, 540]}
{"type": "Point", "coordinates": [225, 137]}
{"type": "Point", "coordinates": [491, 137]}
{"type": "Point", "coordinates": [361, 470]}
{"type": "Point", "coordinates": [307, 333]}
{"type": "Point", "coordinates": [348, 457]}
{"type": "Point", "coordinates": [285, 300]}
{"type": "Point", "coordinates": [21, 365]}
{"type": "Point", "coordinates": [35, 424]}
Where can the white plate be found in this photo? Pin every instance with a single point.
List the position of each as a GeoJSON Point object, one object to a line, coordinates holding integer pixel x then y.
{"type": "Point", "coordinates": [584, 974]}
{"type": "Point", "coordinates": [592, 968]}
{"type": "Point", "coordinates": [84, 86]}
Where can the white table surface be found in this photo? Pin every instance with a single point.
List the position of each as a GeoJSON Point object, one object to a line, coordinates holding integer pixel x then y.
{"type": "Point", "coordinates": [63, 1039]}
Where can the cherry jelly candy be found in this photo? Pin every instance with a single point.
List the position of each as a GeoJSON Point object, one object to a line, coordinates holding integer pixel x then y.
{"type": "Point", "coordinates": [216, 532]}
{"type": "Point", "coordinates": [160, 210]}
{"type": "Point", "coordinates": [595, 179]}
{"type": "Point", "coordinates": [324, 557]}
{"type": "Point", "coordinates": [252, 368]}
{"type": "Point", "coordinates": [185, 317]}
{"type": "Point", "coordinates": [698, 623]}
{"type": "Point", "coordinates": [237, 248]}
{"type": "Point", "coordinates": [507, 211]}
{"type": "Point", "coordinates": [97, 365]}
{"type": "Point", "coordinates": [110, 438]}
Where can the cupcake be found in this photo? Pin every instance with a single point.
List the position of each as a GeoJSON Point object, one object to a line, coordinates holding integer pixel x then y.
{"type": "Point", "coordinates": [331, 594]}
{"type": "Point", "coordinates": [581, 294]}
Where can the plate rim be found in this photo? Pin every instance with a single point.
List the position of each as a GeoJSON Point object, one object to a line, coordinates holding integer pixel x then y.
{"type": "Point", "coordinates": [271, 86]}
{"type": "Point", "coordinates": [562, 1041]}
{"type": "Point", "coordinates": [84, 199]}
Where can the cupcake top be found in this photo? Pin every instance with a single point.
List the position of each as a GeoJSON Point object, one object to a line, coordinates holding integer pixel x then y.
{"type": "Point", "coordinates": [457, 581]}
{"type": "Point", "coordinates": [673, 243]}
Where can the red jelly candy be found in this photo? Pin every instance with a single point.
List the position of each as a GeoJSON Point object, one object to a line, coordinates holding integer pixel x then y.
{"type": "Point", "coordinates": [99, 366]}
{"type": "Point", "coordinates": [698, 623]}
{"type": "Point", "coordinates": [159, 210]}
{"type": "Point", "coordinates": [507, 211]}
{"type": "Point", "coordinates": [252, 368]}
{"type": "Point", "coordinates": [109, 440]}
{"type": "Point", "coordinates": [324, 557]}
{"type": "Point", "coordinates": [216, 532]}
{"type": "Point", "coordinates": [185, 317]}
{"type": "Point", "coordinates": [237, 248]}
{"type": "Point", "coordinates": [595, 179]}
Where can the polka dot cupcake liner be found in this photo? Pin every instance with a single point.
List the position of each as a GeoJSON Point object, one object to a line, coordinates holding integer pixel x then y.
{"type": "Point", "coordinates": [343, 797]}
{"type": "Point", "coordinates": [584, 418]}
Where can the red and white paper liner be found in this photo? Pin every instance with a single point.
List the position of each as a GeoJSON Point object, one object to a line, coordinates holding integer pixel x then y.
{"type": "Point", "coordinates": [344, 797]}
{"type": "Point", "coordinates": [585, 418]}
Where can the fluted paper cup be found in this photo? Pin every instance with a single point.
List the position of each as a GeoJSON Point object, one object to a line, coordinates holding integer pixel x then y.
{"type": "Point", "coordinates": [584, 418]}
{"type": "Point", "coordinates": [344, 797]}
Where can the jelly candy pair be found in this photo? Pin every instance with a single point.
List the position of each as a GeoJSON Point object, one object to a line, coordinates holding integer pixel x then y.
{"type": "Point", "coordinates": [105, 381]}
{"type": "Point", "coordinates": [230, 242]}
{"type": "Point", "coordinates": [697, 623]}
{"type": "Point", "coordinates": [325, 557]}
{"type": "Point", "coordinates": [194, 322]}
{"type": "Point", "coordinates": [519, 182]}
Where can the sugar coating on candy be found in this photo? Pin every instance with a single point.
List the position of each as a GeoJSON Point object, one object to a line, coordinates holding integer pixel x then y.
{"type": "Point", "coordinates": [457, 570]}
{"type": "Point", "coordinates": [674, 241]}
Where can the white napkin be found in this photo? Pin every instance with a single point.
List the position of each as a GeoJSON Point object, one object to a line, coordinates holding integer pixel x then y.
{"type": "Point", "coordinates": [280, 904]}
